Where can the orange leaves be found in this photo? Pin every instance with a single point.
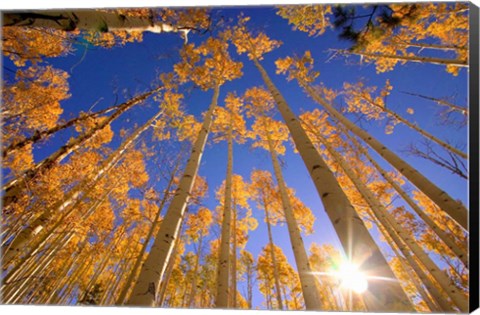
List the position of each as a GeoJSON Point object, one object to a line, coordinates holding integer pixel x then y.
{"type": "Point", "coordinates": [22, 44]}
{"type": "Point", "coordinates": [188, 128]}
{"type": "Point", "coordinates": [267, 196]}
{"type": "Point", "coordinates": [254, 45]}
{"type": "Point", "coordinates": [34, 99]}
{"type": "Point", "coordinates": [264, 128]}
{"type": "Point", "coordinates": [361, 99]}
{"type": "Point", "coordinates": [240, 192]}
{"type": "Point", "coordinates": [297, 68]}
{"type": "Point", "coordinates": [101, 137]}
{"type": "Point", "coordinates": [287, 275]}
{"type": "Point", "coordinates": [258, 102]}
{"type": "Point", "coordinates": [135, 168]}
{"type": "Point", "coordinates": [230, 118]}
{"type": "Point", "coordinates": [312, 19]}
{"type": "Point", "coordinates": [303, 215]}
{"type": "Point", "coordinates": [199, 190]}
{"type": "Point", "coordinates": [171, 104]}
{"type": "Point", "coordinates": [423, 30]}
{"type": "Point", "coordinates": [19, 160]}
{"type": "Point", "coordinates": [369, 102]}
{"type": "Point", "coordinates": [132, 212]}
{"type": "Point", "coordinates": [316, 123]}
{"type": "Point", "coordinates": [216, 68]}
{"type": "Point", "coordinates": [186, 18]}
{"type": "Point", "coordinates": [198, 224]}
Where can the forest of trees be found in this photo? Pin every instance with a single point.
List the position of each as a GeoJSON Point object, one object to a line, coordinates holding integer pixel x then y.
{"type": "Point", "coordinates": [292, 157]}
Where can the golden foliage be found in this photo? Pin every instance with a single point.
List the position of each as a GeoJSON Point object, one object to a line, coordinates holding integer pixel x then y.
{"type": "Point", "coordinates": [19, 160]}
{"type": "Point", "coordinates": [188, 128]}
{"type": "Point", "coordinates": [264, 127]}
{"type": "Point", "coordinates": [229, 118]}
{"type": "Point", "coordinates": [297, 68]}
{"type": "Point", "coordinates": [34, 99]}
{"type": "Point", "coordinates": [445, 25]}
{"type": "Point", "coordinates": [22, 44]}
{"type": "Point", "coordinates": [198, 224]}
{"type": "Point", "coordinates": [312, 19]}
{"type": "Point", "coordinates": [254, 45]}
{"type": "Point", "coordinates": [216, 68]}
{"type": "Point", "coordinates": [258, 102]}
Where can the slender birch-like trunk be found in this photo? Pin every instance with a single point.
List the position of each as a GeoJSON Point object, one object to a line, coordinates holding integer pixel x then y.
{"type": "Point", "coordinates": [249, 286]}
{"type": "Point", "coordinates": [452, 207]}
{"type": "Point", "coordinates": [17, 270]}
{"type": "Point", "coordinates": [43, 134]}
{"type": "Point", "coordinates": [234, 255]}
{"type": "Point", "coordinates": [411, 273]}
{"type": "Point", "coordinates": [424, 133]}
{"type": "Point", "coordinates": [432, 60]}
{"type": "Point", "coordinates": [74, 194]}
{"type": "Point", "coordinates": [276, 275]}
{"type": "Point", "coordinates": [310, 291]}
{"type": "Point", "coordinates": [126, 287]}
{"type": "Point", "coordinates": [358, 244]}
{"type": "Point", "coordinates": [193, 289]}
{"type": "Point", "coordinates": [222, 290]}
{"type": "Point", "coordinates": [168, 272]}
{"type": "Point", "coordinates": [446, 238]}
{"type": "Point", "coordinates": [15, 187]}
{"type": "Point", "coordinates": [439, 101]}
{"type": "Point", "coordinates": [88, 20]}
{"type": "Point", "coordinates": [387, 220]}
{"type": "Point", "coordinates": [440, 299]}
{"type": "Point", "coordinates": [153, 269]}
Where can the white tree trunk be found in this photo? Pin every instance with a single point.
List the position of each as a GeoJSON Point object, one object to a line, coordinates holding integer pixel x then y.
{"type": "Point", "coordinates": [274, 259]}
{"type": "Point", "coordinates": [421, 131]}
{"type": "Point", "coordinates": [447, 239]}
{"type": "Point", "coordinates": [234, 255]}
{"type": "Point", "coordinates": [87, 20]}
{"type": "Point", "coordinates": [156, 221]}
{"type": "Point", "coordinates": [432, 60]}
{"type": "Point", "coordinates": [74, 194]}
{"type": "Point", "coordinates": [358, 244]}
{"type": "Point", "coordinates": [453, 208]}
{"type": "Point", "coordinates": [146, 286]}
{"type": "Point", "coordinates": [16, 186]}
{"type": "Point", "coordinates": [387, 220]}
{"type": "Point", "coordinates": [307, 279]}
{"type": "Point", "coordinates": [223, 267]}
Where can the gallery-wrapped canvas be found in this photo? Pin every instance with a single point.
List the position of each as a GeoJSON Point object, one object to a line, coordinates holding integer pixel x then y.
{"type": "Point", "coordinates": [319, 157]}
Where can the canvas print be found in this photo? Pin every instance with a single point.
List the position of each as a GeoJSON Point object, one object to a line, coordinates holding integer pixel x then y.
{"type": "Point", "coordinates": [289, 157]}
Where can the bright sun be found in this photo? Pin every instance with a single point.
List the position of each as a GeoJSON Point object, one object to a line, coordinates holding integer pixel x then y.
{"type": "Point", "coordinates": [351, 278]}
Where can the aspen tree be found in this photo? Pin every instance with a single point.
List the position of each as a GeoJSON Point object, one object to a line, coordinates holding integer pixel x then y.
{"type": "Point", "coordinates": [316, 124]}
{"type": "Point", "coordinates": [44, 134]}
{"type": "Point", "coordinates": [230, 125]}
{"type": "Point", "coordinates": [146, 286]}
{"type": "Point", "coordinates": [386, 219]}
{"type": "Point", "coordinates": [133, 22]}
{"type": "Point", "coordinates": [15, 186]}
{"type": "Point", "coordinates": [352, 232]}
{"type": "Point", "coordinates": [438, 230]}
{"type": "Point", "coordinates": [197, 228]}
{"type": "Point", "coordinates": [360, 97]}
{"type": "Point", "coordinates": [156, 221]}
{"type": "Point", "coordinates": [262, 188]}
{"type": "Point", "coordinates": [72, 196]}
{"type": "Point", "coordinates": [303, 74]}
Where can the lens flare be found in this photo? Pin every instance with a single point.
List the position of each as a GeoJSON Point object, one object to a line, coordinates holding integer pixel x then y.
{"type": "Point", "coordinates": [351, 278]}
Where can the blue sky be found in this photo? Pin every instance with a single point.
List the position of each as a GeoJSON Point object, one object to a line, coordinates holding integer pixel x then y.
{"type": "Point", "coordinates": [95, 73]}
